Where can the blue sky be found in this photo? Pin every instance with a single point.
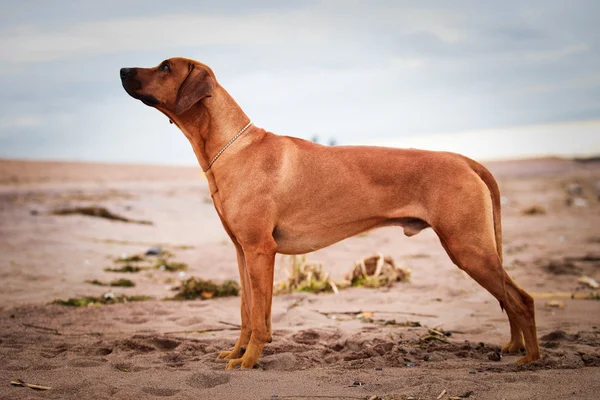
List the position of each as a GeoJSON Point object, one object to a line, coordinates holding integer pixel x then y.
{"type": "Point", "coordinates": [380, 72]}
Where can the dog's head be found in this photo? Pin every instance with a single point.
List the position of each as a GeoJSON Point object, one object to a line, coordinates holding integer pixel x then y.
{"type": "Point", "coordinates": [175, 85]}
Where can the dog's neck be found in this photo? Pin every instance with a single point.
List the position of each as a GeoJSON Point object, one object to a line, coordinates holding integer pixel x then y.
{"type": "Point", "coordinates": [211, 124]}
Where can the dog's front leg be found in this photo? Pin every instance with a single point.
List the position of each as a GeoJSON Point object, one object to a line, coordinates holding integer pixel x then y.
{"type": "Point", "coordinates": [246, 331]}
{"type": "Point", "coordinates": [259, 261]}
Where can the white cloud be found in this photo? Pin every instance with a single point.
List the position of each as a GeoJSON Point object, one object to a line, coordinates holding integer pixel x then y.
{"type": "Point", "coordinates": [313, 26]}
{"type": "Point", "coordinates": [19, 121]}
{"type": "Point", "coordinates": [557, 54]}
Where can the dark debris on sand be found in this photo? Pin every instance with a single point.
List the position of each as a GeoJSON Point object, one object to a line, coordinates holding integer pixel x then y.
{"type": "Point", "coordinates": [98, 212]}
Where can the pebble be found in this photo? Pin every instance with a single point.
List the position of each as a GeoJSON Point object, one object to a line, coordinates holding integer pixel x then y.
{"type": "Point", "coordinates": [400, 341]}
{"type": "Point", "coordinates": [426, 357]}
{"type": "Point", "coordinates": [153, 251]}
{"type": "Point", "coordinates": [495, 356]}
{"type": "Point", "coordinates": [577, 202]}
{"type": "Point", "coordinates": [411, 364]}
{"type": "Point", "coordinates": [378, 369]}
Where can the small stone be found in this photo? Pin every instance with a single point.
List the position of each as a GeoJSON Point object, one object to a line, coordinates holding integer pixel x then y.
{"type": "Point", "coordinates": [472, 372]}
{"type": "Point", "coordinates": [411, 364]}
{"type": "Point", "coordinates": [495, 356]}
{"type": "Point", "coordinates": [400, 341]}
{"type": "Point", "coordinates": [426, 357]}
{"type": "Point", "coordinates": [357, 383]}
{"type": "Point", "coordinates": [378, 369]}
{"type": "Point", "coordinates": [153, 251]}
{"type": "Point", "coordinates": [577, 202]}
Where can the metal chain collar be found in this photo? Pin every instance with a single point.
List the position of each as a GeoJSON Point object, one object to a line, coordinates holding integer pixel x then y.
{"type": "Point", "coordinates": [233, 139]}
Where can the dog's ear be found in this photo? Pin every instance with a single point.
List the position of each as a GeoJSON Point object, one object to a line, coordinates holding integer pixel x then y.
{"type": "Point", "coordinates": [197, 85]}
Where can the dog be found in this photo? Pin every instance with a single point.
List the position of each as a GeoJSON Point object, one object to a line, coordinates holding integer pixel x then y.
{"type": "Point", "coordinates": [280, 194]}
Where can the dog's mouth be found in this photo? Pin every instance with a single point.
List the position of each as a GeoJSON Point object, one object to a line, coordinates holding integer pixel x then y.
{"type": "Point", "coordinates": [148, 100]}
{"type": "Point", "coordinates": [132, 86]}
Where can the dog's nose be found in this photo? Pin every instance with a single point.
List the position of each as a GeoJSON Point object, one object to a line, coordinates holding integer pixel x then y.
{"type": "Point", "coordinates": [125, 72]}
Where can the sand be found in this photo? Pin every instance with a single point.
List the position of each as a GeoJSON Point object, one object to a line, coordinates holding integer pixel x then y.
{"type": "Point", "coordinates": [323, 347]}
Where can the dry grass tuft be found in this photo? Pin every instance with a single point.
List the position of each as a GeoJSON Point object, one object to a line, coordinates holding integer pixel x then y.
{"type": "Point", "coordinates": [372, 272]}
{"type": "Point", "coordinates": [106, 298]}
{"type": "Point", "coordinates": [304, 276]}
{"type": "Point", "coordinates": [139, 262]}
{"type": "Point", "coordinates": [197, 288]}
{"type": "Point", "coordinates": [115, 282]}
{"type": "Point", "coordinates": [377, 271]}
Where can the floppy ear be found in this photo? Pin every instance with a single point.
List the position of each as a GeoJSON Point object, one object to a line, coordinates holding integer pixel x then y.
{"type": "Point", "coordinates": [197, 85]}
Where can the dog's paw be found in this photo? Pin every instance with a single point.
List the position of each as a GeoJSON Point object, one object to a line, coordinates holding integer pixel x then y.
{"type": "Point", "coordinates": [513, 348]}
{"type": "Point", "coordinates": [231, 354]}
{"type": "Point", "coordinates": [243, 362]}
{"type": "Point", "coordinates": [527, 359]}
{"type": "Point", "coordinates": [225, 355]}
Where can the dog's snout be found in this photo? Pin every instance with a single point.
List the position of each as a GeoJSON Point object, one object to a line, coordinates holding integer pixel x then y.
{"type": "Point", "coordinates": [125, 72]}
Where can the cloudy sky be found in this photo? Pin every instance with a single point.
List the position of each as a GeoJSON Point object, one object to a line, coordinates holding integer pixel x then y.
{"type": "Point", "coordinates": [498, 77]}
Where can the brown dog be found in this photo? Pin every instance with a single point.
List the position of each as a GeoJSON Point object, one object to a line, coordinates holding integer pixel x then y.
{"type": "Point", "coordinates": [278, 194]}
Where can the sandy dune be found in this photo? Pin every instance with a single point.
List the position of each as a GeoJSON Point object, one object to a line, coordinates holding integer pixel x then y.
{"type": "Point", "coordinates": [322, 346]}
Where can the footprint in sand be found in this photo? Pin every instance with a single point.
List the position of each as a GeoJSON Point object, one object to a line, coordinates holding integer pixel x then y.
{"type": "Point", "coordinates": [164, 343]}
{"type": "Point", "coordinates": [207, 380]}
{"type": "Point", "coordinates": [164, 392]}
{"type": "Point", "coordinates": [147, 344]}
{"type": "Point", "coordinates": [86, 362]}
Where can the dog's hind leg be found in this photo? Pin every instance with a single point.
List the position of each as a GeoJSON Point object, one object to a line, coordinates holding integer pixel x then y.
{"type": "Point", "coordinates": [475, 253]}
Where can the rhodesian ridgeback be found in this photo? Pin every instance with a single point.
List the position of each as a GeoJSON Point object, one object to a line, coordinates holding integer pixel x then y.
{"type": "Point", "coordinates": [279, 194]}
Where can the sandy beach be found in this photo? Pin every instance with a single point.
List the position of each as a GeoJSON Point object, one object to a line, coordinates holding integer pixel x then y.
{"type": "Point", "coordinates": [356, 344]}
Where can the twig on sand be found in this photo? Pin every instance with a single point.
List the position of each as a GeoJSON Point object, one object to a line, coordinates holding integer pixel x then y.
{"type": "Point", "coordinates": [20, 382]}
{"type": "Point", "coordinates": [327, 313]}
{"type": "Point", "coordinates": [435, 332]}
{"type": "Point", "coordinates": [99, 212]}
{"type": "Point", "coordinates": [441, 394]}
{"type": "Point", "coordinates": [593, 295]}
{"type": "Point", "coordinates": [51, 330]}
{"type": "Point", "coordinates": [230, 324]}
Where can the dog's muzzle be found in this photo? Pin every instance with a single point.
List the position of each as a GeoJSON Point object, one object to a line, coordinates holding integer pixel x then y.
{"type": "Point", "coordinates": [132, 85]}
{"type": "Point", "coordinates": [128, 79]}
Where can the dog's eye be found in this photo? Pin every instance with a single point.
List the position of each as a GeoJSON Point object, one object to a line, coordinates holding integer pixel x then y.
{"type": "Point", "coordinates": [164, 67]}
